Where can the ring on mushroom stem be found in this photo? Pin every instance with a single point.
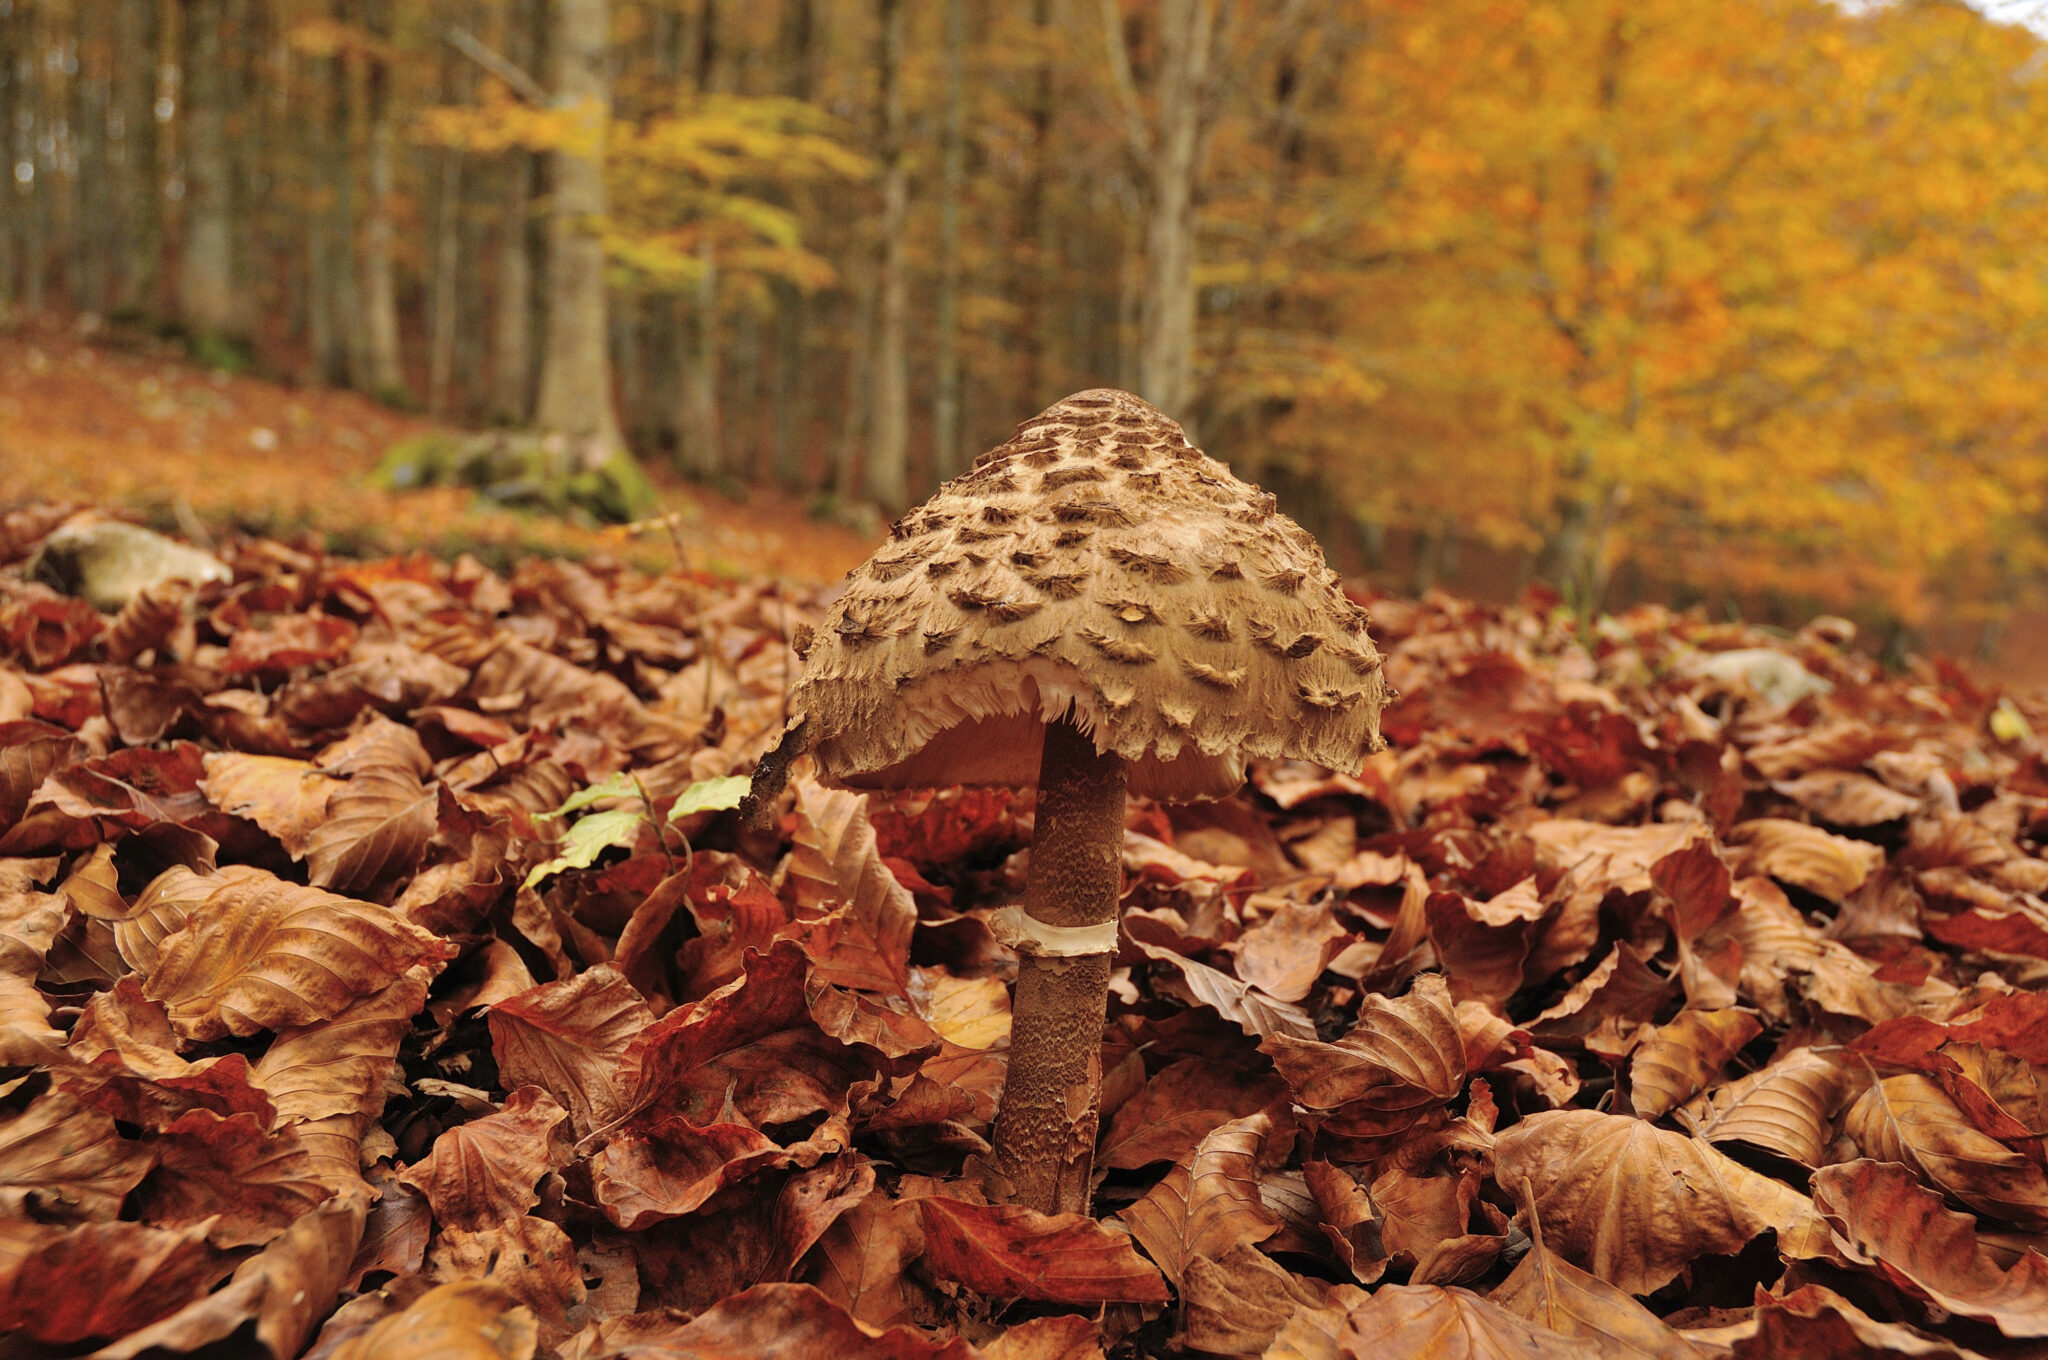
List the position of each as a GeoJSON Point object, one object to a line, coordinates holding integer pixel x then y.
{"type": "Point", "coordinates": [1096, 607]}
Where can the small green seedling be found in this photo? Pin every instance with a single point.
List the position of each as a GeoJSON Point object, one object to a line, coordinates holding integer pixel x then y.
{"type": "Point", "coordinates": [594, 833]}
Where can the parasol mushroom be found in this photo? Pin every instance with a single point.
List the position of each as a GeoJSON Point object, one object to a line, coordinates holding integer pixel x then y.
{"type": "Point", "coordinates": [1096, 607]}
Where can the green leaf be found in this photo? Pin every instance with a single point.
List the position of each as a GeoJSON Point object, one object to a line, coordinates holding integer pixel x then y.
{"type": "Point", "coordinates": [620, 785]}
{"type": "Point", "coordinates": [589, 838]}
{"type": "Point", "coordinates": [710, 795]}
{"type": "Point", "coordinates": [2008, 723]}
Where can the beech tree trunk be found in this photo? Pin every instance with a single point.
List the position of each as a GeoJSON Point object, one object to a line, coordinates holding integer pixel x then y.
{"type": "Point", "coordinates": [384, 371]}
{"type": "Point", "coordinates": [889, 433]}
{"type": "Point", "coordinates": [953, 157]}
{"type": "Point", "coordinates": [575, 380]}
{"type": "Point", "coordinates": [1166, 313]}
{"type": "Point", "coordinates": [207, 302]}
{"type": "Point", "coordinates": [134, 157]}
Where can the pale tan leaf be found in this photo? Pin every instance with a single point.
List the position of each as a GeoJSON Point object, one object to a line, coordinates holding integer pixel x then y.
{"type": "Point", "coordinates": [1180, 1104]}
{"type": "Point", "coordinates": [1446, 1324]}
{"type": "Point", "coordinates": [970, 1012]}
{"type": "Point", "coordinates": [1846, 798]}
{"type": "Point", "coordinates": [1243, 1005]}
{"type": "Point", "coordinates": [1399, 1063]}
{"type": "Point", "coordinates": [1556, 1295]}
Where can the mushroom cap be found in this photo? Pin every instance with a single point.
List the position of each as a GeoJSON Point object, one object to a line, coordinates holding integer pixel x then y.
{"type": "Point", "coordinates": [1098, 565]}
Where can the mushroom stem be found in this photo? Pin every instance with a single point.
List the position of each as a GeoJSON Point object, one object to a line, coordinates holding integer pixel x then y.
{"type": "Point", "coordinates": [1044, 1141]}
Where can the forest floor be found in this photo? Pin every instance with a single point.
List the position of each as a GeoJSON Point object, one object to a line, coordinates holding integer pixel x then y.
{"type": "Point", "coordinates": [128, 422]}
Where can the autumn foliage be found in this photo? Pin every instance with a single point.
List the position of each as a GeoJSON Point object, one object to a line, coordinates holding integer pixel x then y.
{"type": "Point", "coordinates": [1631, 1003]}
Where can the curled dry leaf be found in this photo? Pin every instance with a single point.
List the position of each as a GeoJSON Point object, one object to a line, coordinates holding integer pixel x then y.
{"type": "Point", "coordinates": [62, 1161]}
{"type": "Point", "coordinates": [1181, 1103]}
{"type": "Point", "coordinates": [1908, 1118]}
{"type": "Point", "coordinates": [766, 1322]}
{"type": "Point", "coordinates": [1398, 1064]}
{"type": "Point", "coordinates": [1846, 798]}
{"type": "Point", "coordinates": [666, 1168]}
{"type": "Point", "coordinates": [377, 824]}
{"type": "Point", "coordinates": [1881, 1214]}
{"type": "Point", "coordinates": [1243, 1005]}
{"type": "Point", "coordinates": [1482, 945]}
{"type": "Point", "coordinates": [1787, 1107]}
{"type": "Point", "coordinates": [1680, 1059]}
{"type": "Point", "coordinates": [569, 1039]}
{"type": "Point", "coordinates": [1557, 1296]}
{"type": "Point", "coordinates": [464, 1320]}
{"type": "Point", "coordinates": [1634, 1204]}
{"type": "Point", "coordinates": [1815, 1323]}
{"type": "Point", "coordinates": [1793, 852]}
{"type": "Point", "coordinates": [483, 1172]}
{"type": "Point", "coordinates": [1446, 1324]}
{"type": "Point", "coordinates": [260, 953]}
{"type": "Point", "coordinates": [1237, 1303]}
{"type": "Point", "coordinates": [834, 863]}
{"type": "Point", "coordinates": [286, 797]}
{"type": "Point", "coordinates": [1284, 954]}
{"type": "Point", "coordinates": [1012, 1252]}
{"type": "Point", "coordinates": [1209, 1202]}
{"type": "Point", "coordinates": [63, 1285]}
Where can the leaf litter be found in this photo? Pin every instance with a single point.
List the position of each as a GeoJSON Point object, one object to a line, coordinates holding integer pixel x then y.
{"type": "Point", "coordinates": [383, 972]}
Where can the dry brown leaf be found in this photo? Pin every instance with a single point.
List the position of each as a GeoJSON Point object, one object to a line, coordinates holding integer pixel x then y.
{"type": "Point", "coordinates": [285, 1289]}
{"type": "Point", "coordinates": [1482, 945]}
{"type": "Point", "coordinates": [1284, 954]}
{"type": "Point", "coordinates": [531, 1259]}
{"type": "Point", "coordinates": [766, 1322]}
{"type": "Point", "coordinates": [1806, 856]}
{"type": "Point", "coordinates": [260, 953]}
{"type": "Point", "coordinates": [1181, 1103]}
{"type": "Point", "coordinates": [377, 824]}
{"type": "Point", "coordinates": [1411, 1322]}
{"type": "Point", "coordinates": [1881, 1213]}
{"type": "Point", "coordinates": [1908, 1118]}
{"type": "Point", "coordinates": [1208, 1202]}
{"type": "Point", "coordinates": [1815, 1323]}
{"type": "Point", "coordinates": [482, 1173]}
{"type": "Point", "coordinates": [70, 1284]}
{"type": "Point", "coordinates": [1679, 1060]}
{"type": "Point", "coordinates": [1634, 1204]}
{"type": "Point", "coordinates": [231, 1171]}
{"type": "Point", "coordinates": [666, 1168]}
{"type": "Point", "coordinates": [464, 1320]}
{"type": "Point", "coordinates": [1399, 1063]}
{"type": "Point", "coordinates": [1556, 1295]}
{"type": "Point", "coordinates": [1846, 798]}
{"type": "Point", "coordinates": [834, 863]}
{"type": "Point", "coordinates": [1787, 1107]}
{"type": "Point", "coordinates": [1240, 1003]}
{"type": "Point", "coordinates": [1237, 1303]}
{"type": "Point", "coordinates": [286, 797]}
{"type": "Point", "coordinates": [862, 1256]}
{"type": "Point", "coordinates": [1012, 1252]}
{"type": "Point", "coordinates": [569, 1038]}
{"type": "Point", "coordinates": [60, 1161]}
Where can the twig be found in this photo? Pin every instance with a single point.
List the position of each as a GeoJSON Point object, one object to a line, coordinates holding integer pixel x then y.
{"type": "Point", "coordinates": [480, 52]}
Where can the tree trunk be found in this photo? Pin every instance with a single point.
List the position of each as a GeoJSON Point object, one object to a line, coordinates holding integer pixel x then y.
{"type": "Point", "coordinates": [1034, 258]}
{"type": "Point", "coordinates": [789, 410]}
{"type": "Point", "coordinates": [207, 303]}
{"type": "Point", "coordinates": [384, 374]}
{"type": "Point", "coordinates": [1166, 314]}
{"type": "Point", "coordinates": [447, 266]}
{"type": "Point", "coordinates": [133, 157]}
{"type": "Point", "coordinates": [889, 434]}
{"type": "Point", "coordinates": [575, 380]}
{"type": "Point", "coordinates": [697, 426]}
{"type": "Point", "coordinates": [946, 405]}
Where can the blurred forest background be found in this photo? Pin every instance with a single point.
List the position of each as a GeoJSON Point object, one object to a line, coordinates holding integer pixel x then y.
{"type": "Point", "coordinates": [1633, 296]}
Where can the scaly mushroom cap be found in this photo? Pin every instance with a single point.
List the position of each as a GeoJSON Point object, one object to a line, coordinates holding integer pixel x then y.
{"type": "Point", "coordinates": [1100, 561]}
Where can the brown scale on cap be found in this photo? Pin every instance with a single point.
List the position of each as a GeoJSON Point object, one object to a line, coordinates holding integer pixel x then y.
{"type": "Point", "coordinates": [1116, 569]}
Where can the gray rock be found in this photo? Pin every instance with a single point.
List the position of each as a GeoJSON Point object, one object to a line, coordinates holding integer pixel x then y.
{"type": "Point", "coordinates": [106, 563]}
